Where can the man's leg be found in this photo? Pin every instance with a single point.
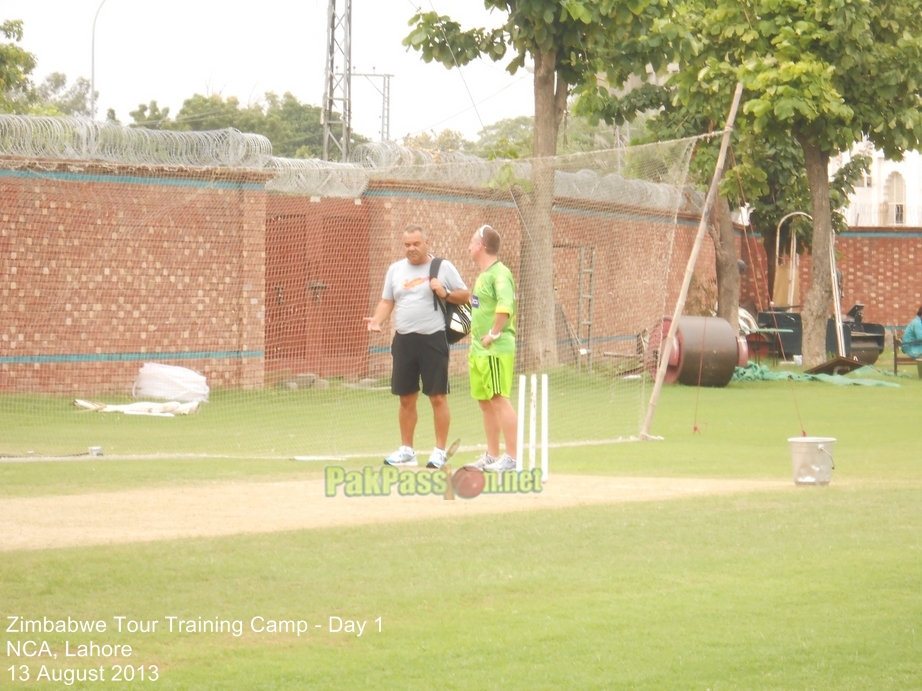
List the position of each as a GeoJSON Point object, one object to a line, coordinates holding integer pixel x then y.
{"type": "Point", "coordinates": [491, 427]}
{"type": "Point", "coordinates": [433, 367]}
{"type": "Point", "coordinates": [506, 420]}
{"type": "Point", "coordinates": [408, 417]}
{"type": "Point", "coordinates": [442, 418]}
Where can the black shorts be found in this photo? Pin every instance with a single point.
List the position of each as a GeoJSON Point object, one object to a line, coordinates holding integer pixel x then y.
{"type": "Point", "coordinates": [420, 356]}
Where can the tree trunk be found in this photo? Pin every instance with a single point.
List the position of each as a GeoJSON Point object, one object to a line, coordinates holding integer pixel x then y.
{"type": "Point", "coordinates": [728, 274]}
{"type": "Point", "coordinates": [537, 325]}
{"type": "Point", "coordinates": [816, 305]}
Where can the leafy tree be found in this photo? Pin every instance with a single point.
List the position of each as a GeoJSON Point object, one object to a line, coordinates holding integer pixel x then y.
{"type": "Point", "coordinates": [568, 41]}
{"type": "Point", "coordinates": [199, 113]}
{"type": "Point", "coordinates": [581, 134]}
{"type": "Point", "coordinates": [772, 179]}
{"type": "Point", "coordinates": [768, 177]}
{"type": "Point", "coordinates": [514, 137]}
{"type": "Point", "coordinates": [19, 95]}
{"type": "Point", "coordinates": [446, 140]}
{"type": "Point", "coordinates": [826, 74]}
{"type": "Point", "coordinates": [508, 138]}
{"type": "Point", "coordinates": [301, 131]}
{"type": "Point", "coordinates": [293, 128]}
{"type": "Point", "coordinates": [16, 65]}
{"type": "Point", "coordinates": [151, 116]}
{"type": "Point", "coordinates": [54, 92]}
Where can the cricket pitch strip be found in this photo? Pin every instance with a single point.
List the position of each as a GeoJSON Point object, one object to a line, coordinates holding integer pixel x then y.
{"type": "Point", "coordinates": [234, 508]}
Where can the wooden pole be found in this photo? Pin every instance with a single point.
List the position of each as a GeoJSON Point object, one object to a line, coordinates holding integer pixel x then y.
{"type": "Point", "coordinates": [666, 343]}
{"type": "Point", "coordinates": [836, 303]}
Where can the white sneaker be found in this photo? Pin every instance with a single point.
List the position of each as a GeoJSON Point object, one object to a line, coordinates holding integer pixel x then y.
{"type": "Point", "coordinates": [437, 459]}
{"type": "Point", "coordinates": [482, 462]}
{"type": "Point", "coordinates": [404, 456]}
{"type": "Point", "coordinates": [503, 463]}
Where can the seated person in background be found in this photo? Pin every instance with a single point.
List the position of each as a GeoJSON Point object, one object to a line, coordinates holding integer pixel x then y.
{"type": "Point", "coordinates": [912, 337]}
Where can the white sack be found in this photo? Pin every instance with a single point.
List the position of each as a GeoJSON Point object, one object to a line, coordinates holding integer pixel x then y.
{"type": "Point", "coordinates": [170, 383]}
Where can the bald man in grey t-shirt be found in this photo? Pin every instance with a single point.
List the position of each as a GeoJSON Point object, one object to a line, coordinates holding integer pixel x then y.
{"type": "Point", "coordinates": [420, 347]}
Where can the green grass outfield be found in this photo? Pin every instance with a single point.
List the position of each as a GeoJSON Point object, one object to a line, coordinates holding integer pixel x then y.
{"type": "Point", "coordinates": [813, 588]}
{"type": "Point", "coordinates": [276, 422]}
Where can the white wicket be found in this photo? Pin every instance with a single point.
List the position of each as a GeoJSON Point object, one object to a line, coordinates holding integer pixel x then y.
{"type": "Point", "coordinates": [532, 423]}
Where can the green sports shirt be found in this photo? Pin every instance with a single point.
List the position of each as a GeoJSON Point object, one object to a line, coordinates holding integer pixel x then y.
{"type": "Point", "coordinates": [494, 291]}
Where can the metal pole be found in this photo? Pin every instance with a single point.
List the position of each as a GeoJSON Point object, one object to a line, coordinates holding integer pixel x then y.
{"type": "Point", "coordinates": [385, 92]}
{"type": "Point", "coordinates": [338, 85]}
{"type": "Point", "coordinates": [666, 343]}
{"type": "Point", "coordinates": [386, 109]}
{"type": "Point", "coordinates": [793, 282]}
{"type": "Point", "coordinates": [93, 64]}
{"type": "Point", "coordinates": [791, 274]}
{"type": "Point", "coordinates": [329, 77]}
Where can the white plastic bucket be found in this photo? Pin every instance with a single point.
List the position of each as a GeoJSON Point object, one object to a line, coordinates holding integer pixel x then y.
{"type": "Point", "coordinates": [812, 461]}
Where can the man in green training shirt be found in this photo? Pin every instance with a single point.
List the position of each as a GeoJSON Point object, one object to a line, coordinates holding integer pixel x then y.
{"type": "Point", "coordinates": [492, 353]}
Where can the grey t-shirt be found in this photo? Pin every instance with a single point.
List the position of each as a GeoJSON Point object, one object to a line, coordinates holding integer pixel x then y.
{"type": "Point", "coordinates": [408, 286]}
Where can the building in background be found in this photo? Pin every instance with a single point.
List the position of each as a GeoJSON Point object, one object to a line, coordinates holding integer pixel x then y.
{"type": "Point", "coordinates": [890, 194]}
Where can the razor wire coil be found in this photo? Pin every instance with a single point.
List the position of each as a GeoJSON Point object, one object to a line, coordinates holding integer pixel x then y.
{"type": "Point", "coordinates": [73, 138]}
{"type": "Point", "coordinates": [617, 174]}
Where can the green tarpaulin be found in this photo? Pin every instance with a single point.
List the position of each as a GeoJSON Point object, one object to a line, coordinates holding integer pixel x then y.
{"type": "Point", "coordinates": [754, 372]}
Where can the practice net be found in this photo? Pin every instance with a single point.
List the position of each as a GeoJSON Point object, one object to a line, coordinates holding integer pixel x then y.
{"type": "Point", "coordinates": [190, 295]}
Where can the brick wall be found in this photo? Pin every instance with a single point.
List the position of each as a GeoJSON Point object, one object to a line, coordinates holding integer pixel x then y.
{"type": "Point", "coordinates": [104, 267]}
{"type": "Point", "coordinates": [880, 269]}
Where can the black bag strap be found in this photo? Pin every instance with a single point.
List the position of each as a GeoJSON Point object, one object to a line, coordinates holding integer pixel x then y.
{"type": "Point", "coordinates": [434, 267]}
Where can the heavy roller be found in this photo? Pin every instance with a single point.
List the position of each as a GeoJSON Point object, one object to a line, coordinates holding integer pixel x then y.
{"type": "Point", "coordinates": [706, 352]}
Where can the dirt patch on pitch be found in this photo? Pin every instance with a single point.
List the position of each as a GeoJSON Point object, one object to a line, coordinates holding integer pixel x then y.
{"type": "Point", "coordinates": [232, 508]}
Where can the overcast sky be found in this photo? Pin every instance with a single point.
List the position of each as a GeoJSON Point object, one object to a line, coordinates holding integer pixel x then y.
{"type": "Point", "coordinates": [171, 49]}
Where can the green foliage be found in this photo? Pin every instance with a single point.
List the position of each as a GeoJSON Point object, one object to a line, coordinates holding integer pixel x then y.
{"type": "Point", "coordinates": [598, 102]}
{"type": "Point", "coordinates": [843, 184]}
{"type": "Point", "coordinates": [19, 95]}
{"type": "Point", "coordinates": [513, 138]}
{"type": "Point", "coordinates": [569, 41]}
{"type": "Point", "coordinates": [151, 116]}
{"type": "Point", "coordinates": [830, 71]}
{"type": "Point", "coordinates": [507, 138]}
{"type": "Point", "coordinates": [506, 178]}
{"type": "Point", "coordinates": [16, 65]}
{"type": "Point", "coordinates": [586, 36]}
{"type": "Point", "coordinates": [440, 39]}
{"type": "Point", "coordinates": [767, 166]}
{"type": "Point", "coordinates": [580, 134]}
{"type": "Point", "coordinates": [215, 113]}
{"type": "Point", "coordinates": [770, 177]}
{"type": "Point", "coordinates": [73, 100]}
{"type": "Point", "coordinates": [294, 128]}
{"type": "Point", "coordinates": [812, 72]}
{"type": "Point", "coordinates": [446, 140]}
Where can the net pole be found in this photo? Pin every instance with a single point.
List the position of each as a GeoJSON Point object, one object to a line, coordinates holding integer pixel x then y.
{"type": "Point", "coordinates": [520, 426]}
{"type": "Point", "coordinates": [533, 421]}
{"type": "Point", "coordinates": [666, 344]}
{"type": "Point", "coordinates": [544, 433]}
